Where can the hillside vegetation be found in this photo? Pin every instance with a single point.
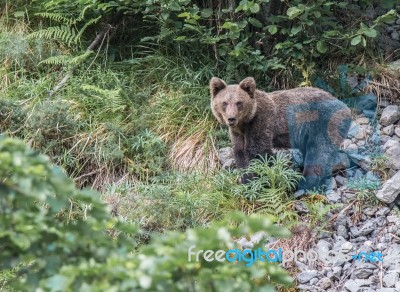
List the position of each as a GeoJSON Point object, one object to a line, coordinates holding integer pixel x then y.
{"type": "Point", "coordinates": [115, 94]}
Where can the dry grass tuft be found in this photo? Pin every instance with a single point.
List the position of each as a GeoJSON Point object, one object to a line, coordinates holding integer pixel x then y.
{"type": "Point", "coordinates": [386, 85]}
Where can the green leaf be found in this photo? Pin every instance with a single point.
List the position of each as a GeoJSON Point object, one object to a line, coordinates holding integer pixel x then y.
{"type": "Point", "coordinates": [19, 13]}
{"type": "Point", "coordinates": [206, 13]}
{"type": "Point", "coordinates": [184, 14]}
{"type": "Point", "coordinates": [255, 22]}
{"type": "Point", "coordinates": [389, 17]}
{"type": "Point", "coordinates": [356, 40]}
{"type": "Point", "coordinates": [255, 8]}
{"type": "Point", "coordinates": [293, 12]}
{"type": "Point", "coordinates": [227, 25]}
{"type": "Point", "coordinates": [317, 14]}
{"type": "Point", "coordinates": [370, 32]}
{"type": "Point", "coordinates": [174, 6]}
{"type": "Point", "coordinates": [272, 29]}
{"type": "Point", "coordinates": [295, 30]}
{"type": "Point", "coordinates": [321, 47]}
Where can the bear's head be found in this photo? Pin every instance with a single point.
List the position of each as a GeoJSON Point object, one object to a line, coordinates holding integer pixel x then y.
{"type": "Point", "coordinates": [233, 105]}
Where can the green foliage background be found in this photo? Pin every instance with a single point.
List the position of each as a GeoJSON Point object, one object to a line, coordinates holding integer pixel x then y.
{"type": "Point", "coordinates": [115, 94]}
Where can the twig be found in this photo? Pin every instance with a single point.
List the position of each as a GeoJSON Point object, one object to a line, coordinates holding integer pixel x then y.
{"type": "Point", "coordinates": [342, 211]}
{"type": "Point", "coordinates": [394, 236]}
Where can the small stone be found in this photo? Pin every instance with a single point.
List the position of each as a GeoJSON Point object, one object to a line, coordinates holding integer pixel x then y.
{"type": "Point", "coordinates": [362, 121]}
{"type": "Point", "coordinates": [388, 130]}
{"type": "Point", "coordinates": [337, 271]}
{"type": "Point", "coordinates": [346, 246]}
{"type": "Point", "coordinates": [313, 281]}
{"type": "Point", "coordinates": [332, 196]}
{"type": "Point", "coordinates": [397, 131]}
{"type": "Point", "coordinates": [346, 143]}
{"type": "Point", "coordinates": [257, 237]}
{"type": "Point", "coordinates": [341, 180]}
{"type": "Point", "coordinates": [390, 189]}
{"type": "Point", "coordinates": [342, 231]}
{"type": "Point", "coordinates": [395, 35]}
{"type": "Point", "coordinates": [360, 143]}
{"type": "Point", "coordinates": [363, 273]}
{"type": "Point", "coordinates": [355, 285]}
{"type": "Point", "coordinates": [300, 207]}
{"type": "Point", "coordinates": [382, 211]}
{"type": "Point", "coordinates": [368, 243]}
{"type": "Point", "coordinates": [306, 276]}
{"type": "Point", "coordinates": [392, 151]}
{"type": "Point", "coordinates": [302, 267]}
{"type": "Point", "coordinates": [352, 148]}
{"type": "Point", "coordinates": [370, 211]}
{"type": "Point", "coordinates": [390, 115]}
{"type": "Point", "coordinates": [324, 283]}
{"type": "Point", "coordinates": [390, 279]}
{"type": "Point", "coordinates": [364, 161]}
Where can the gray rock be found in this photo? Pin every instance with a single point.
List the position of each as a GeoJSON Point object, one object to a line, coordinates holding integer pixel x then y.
{"type": "Point", "coordinates": [324, 283]}
{"type": "Point", "coordinates": [390, 189]}
{"type": "Point", "coordinates": [388, 130]}
{"type": "Point", "coordinates": [392, 151]}
{"type": "Point", "coordinates": [363, 273]}
{"type": "Point", "coordinates": [397, 131]}
{"type": "Point", "coordinates": [362, 121]}
{"type": "Point", "coordinates": [384, 139]}
{"type": "Point", "coordinates": [341, 180]}
{"type": "Point", "coordinates": [313, 281]}
{"type": "Point", "coordinates": [370, 211]}
{"type": "Point", "coordinates": [337, 271]}
{"type": "Point", "coordinates": [390, 115]}
{"type": "Point", "coordinates": [364, 161]}
{"type": "Point", "coordinates": [395, 35]}
{"type": "Point", "coordinates": [390, 279]}
{"type": "Point", "coordinates": [387, 290]}
{"type": "Point", "coordinates": [225, 156]}
{"type": "Point", "coordinates": [391, 258]}
{"type": "Point", "coordinates": [352, 148]}
{"type": "Point", "coordinates": [346, 246]}
{"type": "Point", "coordinates": [355, 285]}
{"type": "Point", "coordinates": [342, 231]}
{"type": "Point", "coordinates": [306, 276]}
{"type": "Point", "coordinates": [382, 211]}
{"type": "Point", "coordinates": [356, 131]}
{"type": "Point", "coordinates": [301, 208]}
{"type": "Point", "coordinates": [365, 229]}
{"type": "Point", "coordinates": [332, 196]}
{"type": "Point", "coordinates": [302, 267]}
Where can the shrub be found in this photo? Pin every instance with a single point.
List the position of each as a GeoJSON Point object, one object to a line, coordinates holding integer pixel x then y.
{"type": "Point", "coordinates": [54, 237]}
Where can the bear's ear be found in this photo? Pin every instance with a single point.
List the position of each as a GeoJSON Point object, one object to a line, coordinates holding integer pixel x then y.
{"type": "Point", "coordinates": [249, 85]}
{"type": "Point", "coordinates": [216, 85]}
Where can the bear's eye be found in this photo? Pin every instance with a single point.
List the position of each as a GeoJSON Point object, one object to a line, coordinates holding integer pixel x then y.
{"type": "Point", "coordinates": [224, 104]}
{"type": "Point", "coordinates": [239, 104]}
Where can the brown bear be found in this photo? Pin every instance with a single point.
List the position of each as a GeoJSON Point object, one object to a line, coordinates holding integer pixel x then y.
{"type": "Point", "coordinates": [308, 119]}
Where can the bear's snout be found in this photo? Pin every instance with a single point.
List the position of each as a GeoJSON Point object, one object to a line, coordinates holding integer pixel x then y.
{"type": "Point", "coordinates": [231, 121]}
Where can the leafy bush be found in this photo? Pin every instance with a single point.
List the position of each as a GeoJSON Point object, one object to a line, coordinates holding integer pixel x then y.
{"type": "Point", "coordinates": [275, 181]}
{"type": "Point", "coordinates": [54, 237]}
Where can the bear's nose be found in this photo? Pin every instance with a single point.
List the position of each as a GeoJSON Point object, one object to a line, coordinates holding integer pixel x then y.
{"type": "Point", "coordinates": [231, 120]}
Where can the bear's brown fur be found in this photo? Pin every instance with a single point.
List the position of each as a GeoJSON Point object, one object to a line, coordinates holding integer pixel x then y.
{"type": "Point", "coordinates": [308, 119]}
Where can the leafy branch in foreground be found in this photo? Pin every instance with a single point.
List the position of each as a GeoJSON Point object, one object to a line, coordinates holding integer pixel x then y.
{"type": "Point", "coordinates": [53, 237]}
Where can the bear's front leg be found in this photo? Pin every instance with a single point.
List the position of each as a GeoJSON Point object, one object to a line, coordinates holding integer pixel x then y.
{"type": "Point", "coordinates": [256, 145]}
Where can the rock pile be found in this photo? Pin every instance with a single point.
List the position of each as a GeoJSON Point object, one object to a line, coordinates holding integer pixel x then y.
{"type": "Point", "coordinates": [374, 229]}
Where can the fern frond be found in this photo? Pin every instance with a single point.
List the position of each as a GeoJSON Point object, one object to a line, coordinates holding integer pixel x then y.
{"type": "Point", "coordinates": [63, 33]}
{"type": "Point", "coordinates": [87, 24]}
{"type": "Point", "coordinates": [58, 17]}
{"type": "Point", "coordinates": [57, 60]}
